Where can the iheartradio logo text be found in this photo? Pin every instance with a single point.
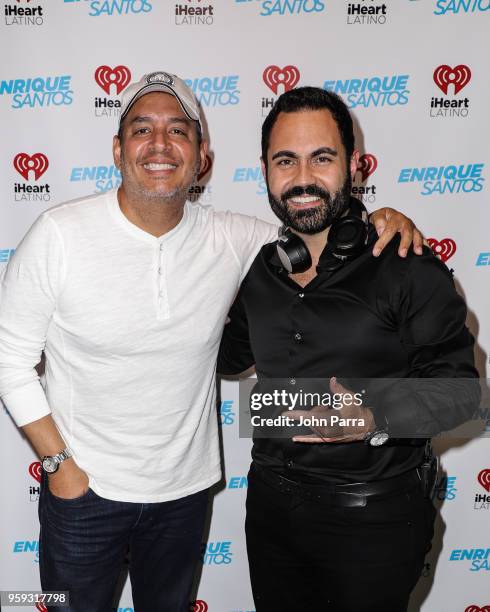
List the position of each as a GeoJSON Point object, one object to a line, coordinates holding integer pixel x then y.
{"type": "Point", "coordinates": [110, 79]}
{"type": "Point", "coordinates": [31, 167]}
{"type": "Point", "coordinates": [278, 78]}
{"type": "Point", "coordinates": [35, 471]}
{"type": "Point", "coordinates": [444, 249]}
{"type": "Point", "coordinates": [201, 192]}
{"type": "Point", "coordinates": [365, 168]}
{"type": "Point", "coordinates": [16, 15]}
{"type": "Point", "coordinates": [444, 77]}
{"type": "Point", "coordinates": [482, 500]}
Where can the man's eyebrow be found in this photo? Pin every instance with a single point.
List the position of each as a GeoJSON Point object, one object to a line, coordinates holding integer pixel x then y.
{"type": "Point", "coordinates": [146, 118]}
{"type": "Point", "coordinates": [293, 155]}
{"type": "Point", "coordinates": [284, 154]}
{"type": "Point", "coordinates": [323, 150]}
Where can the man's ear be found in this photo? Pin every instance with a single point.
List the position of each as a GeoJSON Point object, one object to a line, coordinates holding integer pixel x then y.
{"type": "Point", "coordinates": [203, 151]}
{"type": "Point", "coordinates": [354, 163]}
{"type": "Point", "coordinates": [116, 151]}
{"type": "Point", "coordinates": [264, 169]}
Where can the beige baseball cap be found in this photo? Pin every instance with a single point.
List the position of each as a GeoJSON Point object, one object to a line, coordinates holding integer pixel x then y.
{"type": "Point", "coordinates": [166, 82]}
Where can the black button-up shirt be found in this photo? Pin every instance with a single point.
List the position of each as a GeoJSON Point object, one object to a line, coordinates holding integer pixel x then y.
{"type": "Point", "coordinates": [384, 317]}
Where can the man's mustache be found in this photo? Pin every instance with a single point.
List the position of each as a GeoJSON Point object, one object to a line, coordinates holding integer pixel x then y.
{"type": "Point", "coordinates": [310, 190]}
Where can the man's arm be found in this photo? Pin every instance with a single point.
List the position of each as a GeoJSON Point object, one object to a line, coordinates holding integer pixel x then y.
{"type": "Point", "coordinates": [442, 389]}
{"type": "Point", "coordinates": [29, 289]}
{"type": "Point", "coordinates": [235, 352]}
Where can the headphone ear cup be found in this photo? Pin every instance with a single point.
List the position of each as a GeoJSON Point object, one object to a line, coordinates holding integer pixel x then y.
{"type": "Point", "coordinates": [347, 237]}
{"type": "Point", "coordinates": [293, 253]}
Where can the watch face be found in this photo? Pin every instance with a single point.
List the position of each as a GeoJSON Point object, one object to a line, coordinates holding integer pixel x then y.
{"type": "Point", "coordinates": [379, 438]}
{"type": "Point", "coordinates": [50, 465]}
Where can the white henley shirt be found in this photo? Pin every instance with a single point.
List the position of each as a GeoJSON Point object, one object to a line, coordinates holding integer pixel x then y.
{"type": "Point", "coordinates": [130, 325]}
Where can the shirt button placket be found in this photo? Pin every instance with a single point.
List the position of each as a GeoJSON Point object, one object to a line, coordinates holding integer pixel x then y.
{"type": "Point", "coordinates": [161, 301]}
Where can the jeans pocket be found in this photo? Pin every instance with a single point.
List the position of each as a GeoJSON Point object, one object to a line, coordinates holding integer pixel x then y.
{"type": "Point", "coordinates": [71, 500]}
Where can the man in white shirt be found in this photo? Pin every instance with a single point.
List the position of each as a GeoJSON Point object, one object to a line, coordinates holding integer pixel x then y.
{"type": "Point", "coordinates": [127, 293]}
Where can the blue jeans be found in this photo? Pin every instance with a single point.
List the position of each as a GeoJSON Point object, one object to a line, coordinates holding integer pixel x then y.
{"type": "Point", "coordinates": [83, 543]}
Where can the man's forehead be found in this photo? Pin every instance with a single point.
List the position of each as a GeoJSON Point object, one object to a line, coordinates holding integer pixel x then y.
{"type": "Point", "coordinates": [305, 128]}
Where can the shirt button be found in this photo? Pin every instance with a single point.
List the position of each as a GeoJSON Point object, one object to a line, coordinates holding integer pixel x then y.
{"type": "Point", "coordinates": [301, 295]}
{"type": "Point", "coordinates": [298, 337]}
{"type": "Point", "coordinates": [161, 293]}
{"type": "Point", "coordinates": [161, 247]}
{"type": "Point", "coordinates": [289, 464]}
{"type": "Point", "coordinates": [160, 271]}
{"type": "Point", "coordinates": [292, 381]}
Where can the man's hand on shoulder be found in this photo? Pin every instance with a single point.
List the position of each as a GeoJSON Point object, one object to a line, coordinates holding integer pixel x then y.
{"type": "Point", "coordinates": [350, 423]}
{"type": "Point", "coordinates": [389, 222]}
{"type": "Point", "coordinates": [69, 481]}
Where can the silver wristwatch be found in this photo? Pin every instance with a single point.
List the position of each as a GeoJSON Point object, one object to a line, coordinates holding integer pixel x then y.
{"type": "Point", "coordinates": [51, 464]}
{"type": "Point", "coordinates": [377, 438]}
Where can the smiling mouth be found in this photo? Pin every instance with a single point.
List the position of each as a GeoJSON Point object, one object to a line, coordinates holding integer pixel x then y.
{"type": "Point", "coordinates": [305, 201]}
{"type": "Point", "coordinates": [153, 166]}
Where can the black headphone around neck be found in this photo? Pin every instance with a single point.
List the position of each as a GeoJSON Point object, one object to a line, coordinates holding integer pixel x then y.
{"type": "Point", "coordinates": [346, 240]}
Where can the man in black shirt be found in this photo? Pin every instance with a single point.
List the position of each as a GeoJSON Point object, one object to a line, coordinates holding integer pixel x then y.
{"type": "Point", "coordinates": [337, 519]}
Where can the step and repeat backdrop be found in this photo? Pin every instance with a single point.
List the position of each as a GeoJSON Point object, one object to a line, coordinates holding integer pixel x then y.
{"type": "Point", "coordinates": [415, 75]}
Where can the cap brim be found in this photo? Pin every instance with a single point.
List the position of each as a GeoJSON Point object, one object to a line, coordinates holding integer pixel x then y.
{"type": "Point", "coordinates": [158, 87]}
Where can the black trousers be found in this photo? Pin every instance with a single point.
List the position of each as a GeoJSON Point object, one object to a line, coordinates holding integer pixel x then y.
{"type": "Point", "coordinates": [307, 556]}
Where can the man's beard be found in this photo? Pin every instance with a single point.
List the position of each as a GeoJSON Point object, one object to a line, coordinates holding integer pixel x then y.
{"type": "Point", "coordinates": [161, 194]}
{"type": "Point", "coordinates": [312, 220]}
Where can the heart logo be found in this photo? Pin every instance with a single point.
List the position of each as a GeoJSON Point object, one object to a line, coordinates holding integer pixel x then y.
{"type": "Point", "coordinates": [35, 470]}
{"type": "Point", "coordinates": [41, 607]}
{"type": "Point", "coordinates": [367, 165]}
{"type": "Point", "coordinates": [474, 608]}
{"type": "Point", "coordinates": [444, 249]}
{"type": "Point", "coordinates": [106, 76]}
{"type": "Point", "coordinates": [459, 76]}
{"type": "Point", "coordinates": [484, 479]}
{"type": "Point", "coordinates": [274, 76]}
{"type": "Point", "coordinates": [206, 168]}
{"type": "Point", "coordinates": [37, 163]}
{"type": "Point", "coordinates": [199, 606]}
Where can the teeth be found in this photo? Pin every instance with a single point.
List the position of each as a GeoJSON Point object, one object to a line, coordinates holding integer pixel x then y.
{"type": "Point", "coordinates": [153, 166]}
{"type": "Point", "coordinates": [304, 199]}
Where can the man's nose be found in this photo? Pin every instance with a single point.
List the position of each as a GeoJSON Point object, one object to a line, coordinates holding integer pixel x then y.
{"type": "Point", "coordinates": [304, 174]}
{"type": "Point", "coordinates": [160, 140]}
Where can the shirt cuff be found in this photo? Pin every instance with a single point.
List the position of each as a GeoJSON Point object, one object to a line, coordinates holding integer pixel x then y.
{"type": "Point", "coordinates": [27, 403]}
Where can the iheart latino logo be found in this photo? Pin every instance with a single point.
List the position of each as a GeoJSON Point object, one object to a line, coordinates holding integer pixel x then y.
{"type": "Point", "coordinates": [199, 606]}
{"type": "Point", "coordinates": [35, 470]}
{"type": "Point", "coordinates": [475, 608]}
{"type": "Point", "coordinates": [444, 249]}
{"type": "Point", "coordinates": [367, 165]}
{"type": "Point", "coordinates": [459, 76]}
{"type": "Point", "coordinates": [118, 76]}
{"type": "Point", "coordinates": [37, 163]}
{"type": "Point", "coordinates": [274, 76]}
{"type": "Point", "coordinates": [41, 607]}
{"type": "Point", "coordinates": [207, 167]}
{"type": "Point", "coordinates": [484, 480]}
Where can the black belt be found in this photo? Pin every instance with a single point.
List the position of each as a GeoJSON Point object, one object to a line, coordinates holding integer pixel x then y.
{"type": "Point", "coordinates": [354, 495]}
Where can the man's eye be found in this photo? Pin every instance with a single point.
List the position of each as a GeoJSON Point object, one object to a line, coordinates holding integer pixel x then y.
{"type": "Point", "coordinates": [178, 131]}
{"type": "Point", "coordinates": [284, 162]}
{"type": "Point", "coordinates": [142, 130]}
{"type": "Point", "coordinates": [323, 159]}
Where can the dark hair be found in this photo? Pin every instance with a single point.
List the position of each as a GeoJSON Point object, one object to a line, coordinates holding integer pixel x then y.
{"type": "Point", "coordinates": [310, 98]}
{"type": "Point", "coordinates": [198, 131]}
